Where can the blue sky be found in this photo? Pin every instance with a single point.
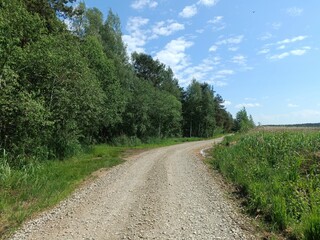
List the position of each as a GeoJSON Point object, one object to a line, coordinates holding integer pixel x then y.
{"type": "Point", "coordinates": [263, 55]}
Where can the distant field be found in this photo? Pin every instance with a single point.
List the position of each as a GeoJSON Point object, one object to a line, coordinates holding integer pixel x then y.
{"type": "Point", "coordinates": [305, 126]}
{"type": "Point", "coordinates": [277, 170]}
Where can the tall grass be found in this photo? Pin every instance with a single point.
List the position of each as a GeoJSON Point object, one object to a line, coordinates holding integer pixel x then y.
{"type": "Point", "coordinates": [38, 185]}
{"type": "Point", "coordinates": [279, 174]}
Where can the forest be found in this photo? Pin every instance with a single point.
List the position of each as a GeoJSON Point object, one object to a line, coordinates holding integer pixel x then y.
{"type": "Point", "coordinates": [67, 82]}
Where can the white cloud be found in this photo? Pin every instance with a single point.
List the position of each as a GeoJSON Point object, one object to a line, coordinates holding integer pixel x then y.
{"type": "Point", "coordinates": [201, 72]}
{"type": "Point", "coordinates": [225, 72]}
{"type": "Point", "coordinates": [281, 47]}
{"type": "Point", "coordinates": [133, 44]}
{"type": "Point", "coordinates": [135, 23]}
{"type": "Point", "coordinates": [276, 25]}
{"type": "Point", "coordinates": [281, 44]}
{"type": "Point", "coordinates": [189, 11]}
{"type": "Point", "coordinates": [166, 28]}
{"type": "Point", "coordinates": [226, 103]}
{"type": "Point", "coordinates": [213, 48]}
{"type": "Point", "coordinates": [264, 51]}
{"type": "Point", "coordinates": [137, 37]}
{"type": "Point", "coordinates": [239, 59]}
{"type": "Point", "coordinates": [140, 4]}
{"type": "Point", "coordinates": [208, 3]}
{"type": "Point", "coordinates": [233, 49]}
{"type": "Point", "coordinates": [68, 22]}
{"type": "Point", "coordinates": [295, 11]}
{"type": "Point", "coordinates": [232, 40]}
{"type": "Point", "coordinates": [174, 55]}
{"type": "Point", "coordinates": [296, 52]}
{"type": "Point", "coordinates": [292, 40]}
{"type": "Point", "coordinates": [248, 105]}
{"type": "Point", "coordinates": [216, 20]}
{"type": "Point", "coordinates": [250, 99]}
{"type": "Point", "coordinates": [220, 83]}
{"type": "Point", "coordinates": [265, 36]}
{"type": "Point", "coordinates": [280, 56]}
{"type": "Point", "coordinates": [290, 105]}
{"type": "Point", "coordinates": [218, 23]}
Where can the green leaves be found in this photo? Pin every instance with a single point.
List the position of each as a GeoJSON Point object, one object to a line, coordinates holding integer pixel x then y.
{"type": "Point", "coordinates": [202, 113]}
{"type": "Point", "coordinates": [243, 123]}
{"type": "Point", "coordinates": [63, 89]}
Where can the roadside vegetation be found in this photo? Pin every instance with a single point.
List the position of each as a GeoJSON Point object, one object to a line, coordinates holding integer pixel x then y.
{"type": "Point", "coordinates": [278, 174]}
{"type": "Point", "coordinates": [40, 185]}
{"type": "Point", "coordinates": [67, 84]}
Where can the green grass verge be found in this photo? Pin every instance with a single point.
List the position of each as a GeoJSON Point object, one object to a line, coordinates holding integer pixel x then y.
{"type": "Point", "coordinates": [279, 175]}
{"type": "Point", "coordinates": [38, 186]}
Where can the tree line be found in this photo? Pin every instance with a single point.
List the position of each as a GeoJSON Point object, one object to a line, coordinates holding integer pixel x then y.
{"type": "Point", "coordinates": [64, 87]}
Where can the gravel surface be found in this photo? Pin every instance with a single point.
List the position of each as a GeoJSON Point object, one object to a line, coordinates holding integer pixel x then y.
{"type": "Point", "coordinates": [165, 193]}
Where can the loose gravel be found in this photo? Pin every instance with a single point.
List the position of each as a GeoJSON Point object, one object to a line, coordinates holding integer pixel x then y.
{"type": "Point", "coordinates": [165, 193]}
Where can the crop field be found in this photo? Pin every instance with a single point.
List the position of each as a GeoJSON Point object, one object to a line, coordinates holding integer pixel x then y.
{"type": "Point", "coordinates": [277, 171]}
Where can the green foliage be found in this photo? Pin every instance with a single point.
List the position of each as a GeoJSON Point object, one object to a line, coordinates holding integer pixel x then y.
{"type": "Point", "coordinates": [243, 123]}
{"type": "Point", "coordinates": [71, 92]}
{"type": "Point", "coordinates": [148, 69]}
{"type": "Point", "coordinates": [104, 70]}
{"type": "Point", "coordinates": [203, 112]}
{"type": "Point", "coordinates": [112, 39]}
{"type": "Point", "coordinates": [156, 73]}
{"type": "Point", "coordinates": [224, 120]}
{"type": "Point", "coordinates": [62, 90]}
{"type": "Point", "coordinates": [165, 114]}
{"type": "Point", "coordinates": [279, 175]}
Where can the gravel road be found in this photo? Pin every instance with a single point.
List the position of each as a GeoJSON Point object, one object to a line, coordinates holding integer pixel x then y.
{"type": "Point", "coordinates": [165, 193]}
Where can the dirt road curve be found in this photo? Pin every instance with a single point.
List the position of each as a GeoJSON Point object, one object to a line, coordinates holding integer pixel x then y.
{"type": "Point", "coordinates": [165, 193]}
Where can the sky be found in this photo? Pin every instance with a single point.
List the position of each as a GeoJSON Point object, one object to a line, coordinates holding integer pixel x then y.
{"type": "Point", "coordinates": [262, 55]}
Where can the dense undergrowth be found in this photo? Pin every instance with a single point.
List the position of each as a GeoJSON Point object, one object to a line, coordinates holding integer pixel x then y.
{"type": "Point", "coordinates": [278, 174]}
{"type": "Point", "coordinates": [35, 185]}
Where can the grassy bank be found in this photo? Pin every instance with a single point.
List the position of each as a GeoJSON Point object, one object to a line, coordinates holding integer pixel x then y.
{"type": "Point", "coordinates": [278, 174]}
{"type": "Point", "coordinates": [40, 185]}
{"type": "Point", "coordinates": [37, 186]}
